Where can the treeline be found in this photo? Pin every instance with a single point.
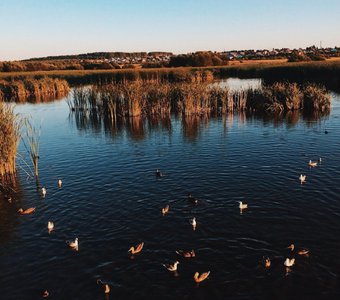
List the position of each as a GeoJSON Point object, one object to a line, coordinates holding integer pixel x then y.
{"type": "Point", "coordinates": [31, 89]}
{"type": "Point", "coordinates": [297, 56]}
{"type": "Point", "coordinates": [198, 59]}
{"type": "Point", "coordinates": [102, 55]}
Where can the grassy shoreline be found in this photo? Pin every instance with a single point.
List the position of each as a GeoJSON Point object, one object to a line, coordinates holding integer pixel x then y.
{"type": "Point", "coordinates": [247, 68]}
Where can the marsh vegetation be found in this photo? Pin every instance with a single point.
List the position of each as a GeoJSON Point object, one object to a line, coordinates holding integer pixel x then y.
{"type": "Point", "coordinates": [142, 99]}
{"type": "Point", "coordinates": [32, 89]}
{"type": "Point", "coordinates": [10, 126]}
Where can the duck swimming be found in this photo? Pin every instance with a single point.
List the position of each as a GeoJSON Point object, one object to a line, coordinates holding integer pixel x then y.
{"type": "Point", "coordinates": [289, 262]}
{"type": "Point", "coordinates": [50, 226]}
{"type": "Point", "coordinates": [60, 183]}
{"type": "Point", "coordinates": [158, 173]}
{"type": "Point", "coordinates": [105, 285]}
{"type": "Point", "coordinates": [26, 211]}
{"type": "Point", "coordinates": [192, 199]}
{"type": "Point", "coordinates": [45, 294]}
{"type": "Point", "coordinates": [312, 164]}
{"type": "Point", "coordinates": [137, 249]}
{"type": "Point", "coordinates": [172, 267]}
{"type": "Point", "coordinates": [186, 254]}
{"type": "Point", "coordinates": [299, 251]}
{"type": "Point", "coordinates": [193, 223]}
{"type": "Point", "coordinates": [43, 191]}
{"type": "Point", "coordinates": [302, 178]}
{"type": "Point", "coordinates": [267, 263]}
{"type": "Point", "coordinates": [199, 278]}
{"type": "Point", "coordinates": [73, 244]}
{"type": "Point", "coordinates": [165, 210]}
{"type": "Point", "coordinates": [242, 205]}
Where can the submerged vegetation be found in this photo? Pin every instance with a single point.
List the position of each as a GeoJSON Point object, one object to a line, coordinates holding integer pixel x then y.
{"type": "Point", "coordinates": [10, 125]}
{"type": "Point", "coordinates": [141, 99]}
{"type": "Point", "coordinates": [32, 89]}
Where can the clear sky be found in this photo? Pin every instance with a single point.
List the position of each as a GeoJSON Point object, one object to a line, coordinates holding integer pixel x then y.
{"type": "Point", "coordinates": [35, 28]}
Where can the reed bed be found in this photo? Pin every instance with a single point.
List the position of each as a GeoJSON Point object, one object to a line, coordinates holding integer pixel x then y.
{"type": "Point", "coordinates": [21, 90]}
{"type": "Point", "coordinates": [134, 99]}
{"type": "Point", "coordinates": [10, 125]}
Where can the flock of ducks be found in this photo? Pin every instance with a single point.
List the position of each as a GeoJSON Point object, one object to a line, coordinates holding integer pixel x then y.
{"type": "Point", "coordinates": [289, 262]}
{"type": "Point", "coordinates": [198, 278]}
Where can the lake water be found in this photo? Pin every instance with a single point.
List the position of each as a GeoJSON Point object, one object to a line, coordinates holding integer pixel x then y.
{"type": "Point", "coordinates": [111, 200]}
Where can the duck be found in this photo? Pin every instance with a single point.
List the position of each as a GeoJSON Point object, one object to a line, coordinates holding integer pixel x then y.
{"type": "Point", "coordinates": [299, 251]}
{"type": "Point", "coordinates": [105, 285]}
{"type": "Point", "coordinates": [303, 252]}
{"type": "Point", "coordinates": [289, 262]}
{"type": "Point", "coordinates": [199, 278]}
{"type": "Point", "coordinates": [45, 294]}
{"type": "Point", "coordinates": [158, 173]}
{"type": "Point", "coordinates": [242, 205]}
{"type": "Point", "coordinates": [60, 183]}
{"type": "Point", "coordinates": [27, 211]}
{"type": "Point", "coordinates": [43, 191]}
{"type": "Point", "coordinates": [50, 226]}
{"type": "Point", "coordinates": [73, 244]}
{"type": "Point", "coordinates": [186, 254]}
{"type": "Point", "coordinates": [172, 267]}
{"type": "Point", "coordinates": [137, 249]}
{"type": "Point", "coordinates": [192, 199]}
{"type": "Point", "coordinates": [312, 164]}
{"type": "Point", "coordinates": [165, 210]}
{"type": "Point", "coordinates": [267, 263]}
{"type": "Point", "coordinates": [193, 223]}
{"type": "Point", "coordinates": [302, 178]}
{"type": "Point", "coordinates": [106, 289]}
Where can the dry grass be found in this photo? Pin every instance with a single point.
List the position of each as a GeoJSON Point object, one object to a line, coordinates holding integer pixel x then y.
{"type": "Point", "coordinates": [10, 125]}
{"type": "Point", "coordinates": [142, 99]}
{"type": "Point", "coordinates": [37, 90]}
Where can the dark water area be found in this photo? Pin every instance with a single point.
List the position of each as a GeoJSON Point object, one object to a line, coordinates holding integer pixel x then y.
{"type": "Point", "coordinates": [111, 200]}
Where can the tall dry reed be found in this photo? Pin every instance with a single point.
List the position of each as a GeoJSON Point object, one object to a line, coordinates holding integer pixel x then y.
{"type": "Point", "coordinates": [10, 125]}
{"type": "Point", "coordinates": [139, 98]}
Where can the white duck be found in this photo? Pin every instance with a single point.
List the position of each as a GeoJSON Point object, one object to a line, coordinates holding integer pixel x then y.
{"type": "Point", "coordinates": [242, 205]}
{"type": "Point", "coordinates": [172, 267]}
{"type": "Point", "coordinates": [302, 178]}
{"type": "Point", "coordinates": [289, 262]}
{"type": "Point", "coordinates": [193, 223]}
{"type": "Point", "coordinates": [60, 183]}
{"type": "Point", "coordinates": [50, 226]}
{"type": "Point", "coordinates": [43, 191]}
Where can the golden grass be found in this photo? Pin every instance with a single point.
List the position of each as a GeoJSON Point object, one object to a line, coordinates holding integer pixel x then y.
{"type": "Point", "coordinates": [132, 99]}
{"type": "Point", "coordinates": [277, 68]}
{"type": "Point", "coordinates": [10, 125]}
{"type": "Point", "coordinates": [20, 90]}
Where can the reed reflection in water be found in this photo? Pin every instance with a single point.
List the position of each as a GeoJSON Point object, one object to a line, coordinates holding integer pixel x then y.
{"type": "Point", "coordinates": [138, 128]}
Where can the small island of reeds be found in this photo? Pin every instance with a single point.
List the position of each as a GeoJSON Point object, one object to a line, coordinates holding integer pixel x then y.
{"type": "Point", "coordinates": [141, 99]}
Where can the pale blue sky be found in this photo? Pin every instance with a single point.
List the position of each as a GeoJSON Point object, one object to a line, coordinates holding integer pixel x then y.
{"type": "Point", "coordinates": [34, 28]}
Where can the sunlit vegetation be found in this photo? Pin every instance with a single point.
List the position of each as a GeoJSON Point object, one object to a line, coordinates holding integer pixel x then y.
{"type": "Point", "coordinates": [10, 125]}
{"type": "Point", "coordinates": [281, 97]}
{"type": "Point", "coordinates": [143, 99]}
{"type": "Point", "coordinates": [37, 90]}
